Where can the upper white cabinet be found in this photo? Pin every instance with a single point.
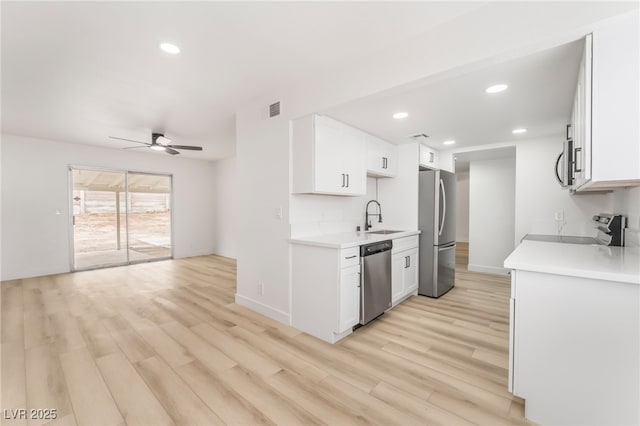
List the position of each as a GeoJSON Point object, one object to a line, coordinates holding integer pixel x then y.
{"type": "Point", "coordinates": [381, 157]}
{"type": "Point", "coordinates": [605, 114]}
{"type": "Point", "coordinates": [580, 130]}
{"type": "Point", "coordinates": [428, 157]}
{"type": "Point", "coordinates": [328, 157]}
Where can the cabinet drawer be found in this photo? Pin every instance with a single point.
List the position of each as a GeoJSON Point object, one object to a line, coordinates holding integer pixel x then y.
{"type": "Point", "coordinates": [350, 257]}
{"type": "Point", "coordinates": [404, 243]}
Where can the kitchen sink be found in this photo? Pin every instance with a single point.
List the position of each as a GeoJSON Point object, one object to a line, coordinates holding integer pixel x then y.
{"type": "Point", "coordinates": [383, 232]}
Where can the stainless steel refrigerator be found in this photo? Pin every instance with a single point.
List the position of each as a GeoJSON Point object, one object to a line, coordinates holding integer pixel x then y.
{"type": "Point", "coordinates": [437, 221]}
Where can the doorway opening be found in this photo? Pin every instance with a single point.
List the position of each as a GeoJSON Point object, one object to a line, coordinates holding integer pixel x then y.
{"type": "Point", "coordinates": [119, 217]}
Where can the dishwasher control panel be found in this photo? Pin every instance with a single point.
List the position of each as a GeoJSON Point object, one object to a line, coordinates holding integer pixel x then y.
{"type": "Point", "coordinates": [374, 248]}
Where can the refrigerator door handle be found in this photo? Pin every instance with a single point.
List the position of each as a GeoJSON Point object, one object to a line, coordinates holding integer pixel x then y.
{"type": "Point", "coordinates": [447, 247]}
{"type": "Point", "coordinates": [444, 207]}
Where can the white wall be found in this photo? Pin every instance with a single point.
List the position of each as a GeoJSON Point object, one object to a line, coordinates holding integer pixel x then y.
{"type": "Point", "coordinates": [226, 218]}
{"type": "Point", "coordinates": [262, 169]}
{"type": "Point", "coordinates": [327, 214]}
{"type": "Point", "coordinates": [491, 213]}
{"type": "Point", "coordinates": [627, 202]}
{"type": "Point", "coordinates": [399, 196]}
{"type": "Point", "coordinates": [462, 206]}
{"type": "Point", "coordinates": [539, 196]}
{"type": "Point", "coordinates": [35, 186]}
{"type": "Point", "coordinates": [494, 31]}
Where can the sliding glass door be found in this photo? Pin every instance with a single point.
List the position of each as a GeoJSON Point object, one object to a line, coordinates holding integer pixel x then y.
{"type": "Point", "coordinates": [119, 217]}
{"type": "Point", "coordinates": [149, 216]}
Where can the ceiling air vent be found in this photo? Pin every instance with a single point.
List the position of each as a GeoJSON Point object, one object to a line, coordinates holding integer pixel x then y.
{"type": "Point", "coordinates": [274, 109]}
{"type": "Point", "coordinates": [419, 137]}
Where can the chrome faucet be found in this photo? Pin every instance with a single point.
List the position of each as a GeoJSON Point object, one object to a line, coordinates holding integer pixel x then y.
{"type": "Point", "coordinates": [367, 222]}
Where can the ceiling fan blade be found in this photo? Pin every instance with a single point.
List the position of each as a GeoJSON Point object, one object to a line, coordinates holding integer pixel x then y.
{"type": "Point", "coordinates": [171, 151]}
{"type": "Point", "coordinates": [128, 140]}
{"type": "Point", "coordinates": [192, 148]}
{"type": "Point", "coordinates": [134, 147]}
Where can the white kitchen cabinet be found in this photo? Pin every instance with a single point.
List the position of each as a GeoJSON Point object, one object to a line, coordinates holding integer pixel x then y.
{"type": "Point", "coordinates": [410, 277]}
{"type": "Point", "coordinates": [606, 108]}
{"type": "Point", "coordinates": [382, 157]}
{"type": "Point", "coordinates": [397, 272]}
{"type": "Point", "coordinates": [574, 348]}
{"type": "Point", "coordinates": [580, 130]}
{"type": "Point", "coordinates": [349, 303]}
{"type": "Point", "coordinates": [328, 157]}
{"type": "Point", "coordinates": [325, 294]}
{"type": "Point", "coordinates": [404, 268]}
{"type": "Point", "coordinates": [428, 157]}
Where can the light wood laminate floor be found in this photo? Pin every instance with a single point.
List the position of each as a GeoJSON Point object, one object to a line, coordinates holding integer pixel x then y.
{"type": "Point", "coordinates": [164, 343]}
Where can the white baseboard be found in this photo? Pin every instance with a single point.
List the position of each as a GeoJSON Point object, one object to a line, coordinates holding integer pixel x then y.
{"type": "Point", "coordinates": [263, 309]}
{"type": "Point", "coordinates": [488, 269]}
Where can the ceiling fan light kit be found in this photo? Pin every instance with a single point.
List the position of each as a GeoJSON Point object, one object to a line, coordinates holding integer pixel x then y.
{"type": "Point", "coordinates": [159, 142]}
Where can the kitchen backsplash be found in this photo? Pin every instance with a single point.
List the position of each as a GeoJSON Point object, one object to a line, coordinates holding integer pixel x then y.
{"type": "Point", "coordinates": [327, 214]}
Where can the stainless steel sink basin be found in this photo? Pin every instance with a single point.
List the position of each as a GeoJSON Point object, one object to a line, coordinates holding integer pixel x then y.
{"type": "Point", "coordinates": [383, 232]}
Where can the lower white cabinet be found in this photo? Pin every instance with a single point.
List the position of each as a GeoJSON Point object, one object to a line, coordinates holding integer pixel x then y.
{"type": "Point", "coordinates": [349, 303]}
{"type": "Point", "coordinates": [404, 269]}
{"type": "Point", "coordinates": [325, 287]}
{"type": "Point", "coordinates": [325, 293]}
{"type": "Point", "coordinates": [574, 349]}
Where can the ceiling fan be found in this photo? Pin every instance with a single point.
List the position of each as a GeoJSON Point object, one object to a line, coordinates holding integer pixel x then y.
{"type": "Point", "coordinates": [160, 143]}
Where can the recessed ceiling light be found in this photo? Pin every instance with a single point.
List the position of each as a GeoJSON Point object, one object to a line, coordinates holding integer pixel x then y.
{"type": "Point", "coordinates": [170, 48]}
{"type": "Point", "coordinates": [400, 115]}
{"type": "Point", "coordinates": [448, 142]}
{"type": "Point", "coordinates": [497, 88]}
{"type": "Point", "coordinates": [519, 130]}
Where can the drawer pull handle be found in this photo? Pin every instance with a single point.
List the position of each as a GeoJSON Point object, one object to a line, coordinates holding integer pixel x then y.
{"type": "Point", "coordinates": [351, 257]}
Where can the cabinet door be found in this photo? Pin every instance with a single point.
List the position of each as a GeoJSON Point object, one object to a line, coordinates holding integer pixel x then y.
{"type": "Point", "coordinates": [581, 120]}
{"type": "Point", "coordinates": [352, 154]}
{"type": "Point", "coordinates": [428, 157]}
{"type": "Point", "coordinates": [329, 172]}
{"type": "Point", "coordinates": [349, 303]}
{"type": "Point", "coordinates": [397, 272]}
{"type": "Point", "coordinates": [616, 102]}
{"type": "Point", "coordinates": [410, 275]}
{"type": "Point", "coordinates": [390, 155]}
{"type": "Point", "coordinates": [375, 162]}
{"type": "Point", "coordinates": [381, 157]}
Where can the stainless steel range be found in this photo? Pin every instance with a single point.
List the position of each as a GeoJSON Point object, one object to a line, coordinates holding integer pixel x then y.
{"type": "Point", "coordinates": [610, 233]}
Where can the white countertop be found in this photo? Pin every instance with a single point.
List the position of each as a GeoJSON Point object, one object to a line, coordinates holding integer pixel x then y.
{"type": "Point", "coordinates": [620, 264]}
{"type": "Point", "coordinates": [349, 239]}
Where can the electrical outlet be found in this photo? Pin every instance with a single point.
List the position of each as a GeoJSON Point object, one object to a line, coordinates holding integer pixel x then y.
{"type": "Point", "coordinates": [261, 289]}
{"type": "Point", "coordinates": [278, 212]}
{"type": "Point", "coordinates": [559, 215]}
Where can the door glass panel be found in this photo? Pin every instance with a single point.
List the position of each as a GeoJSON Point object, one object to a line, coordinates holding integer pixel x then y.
{"type": "Point", "coordinates": [149, 218]}
{"type": "Point", "coordinates": [99, 221]}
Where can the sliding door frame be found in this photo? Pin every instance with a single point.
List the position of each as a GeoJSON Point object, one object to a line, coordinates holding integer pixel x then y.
{"type": "Point", "coordinates": [71, 168]}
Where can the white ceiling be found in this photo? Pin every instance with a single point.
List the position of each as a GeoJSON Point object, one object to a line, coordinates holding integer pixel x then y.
{"type": "Point", "coordinates": [463, 159]}
{"type": "Point", "coordinates": [82, 71]}
{"type": "Point", "coordinates": [539, 98]}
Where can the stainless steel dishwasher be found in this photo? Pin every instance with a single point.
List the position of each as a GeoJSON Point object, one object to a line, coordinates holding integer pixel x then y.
{"type": "Point", "coordinates": [375, 284]}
